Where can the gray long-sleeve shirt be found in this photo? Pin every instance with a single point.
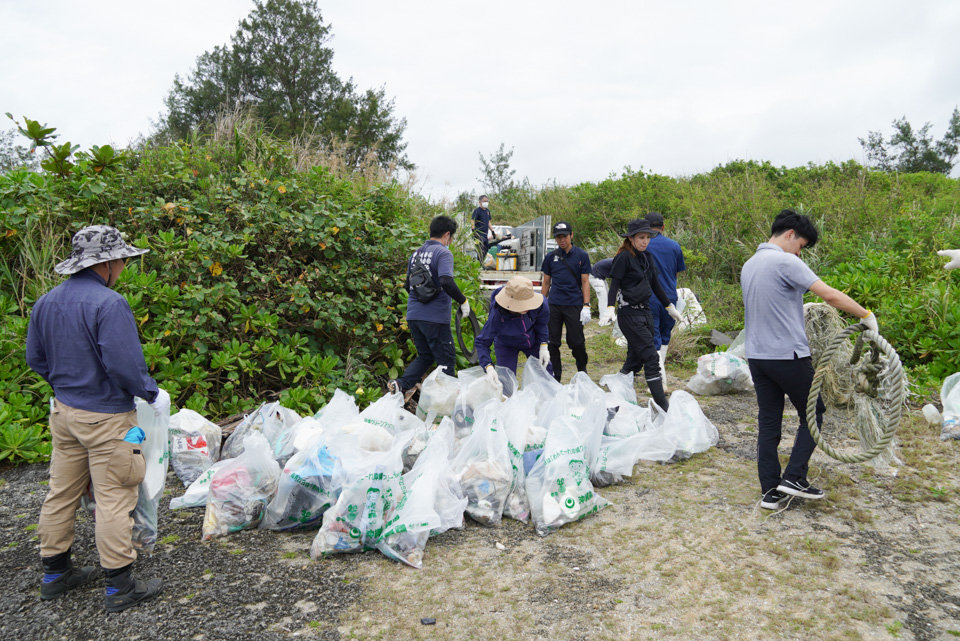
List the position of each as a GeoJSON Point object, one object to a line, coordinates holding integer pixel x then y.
{"type": "Point", "coordinates": [82, 339]}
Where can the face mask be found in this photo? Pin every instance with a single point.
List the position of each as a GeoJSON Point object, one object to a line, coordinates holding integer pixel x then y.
{"type": "Point", "coordinates": [484, 204]}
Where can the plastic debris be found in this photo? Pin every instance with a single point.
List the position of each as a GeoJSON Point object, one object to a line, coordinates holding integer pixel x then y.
{"type": "Point", "coordinates": [950, 397]}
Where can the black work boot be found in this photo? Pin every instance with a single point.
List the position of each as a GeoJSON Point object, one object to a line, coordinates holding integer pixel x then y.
{"type": "Point", "coordinates": [59, 576]}
{"type": "Point", "coordinates": [124, 591]}
{"type": "Point", "coordinates": [659, 396]}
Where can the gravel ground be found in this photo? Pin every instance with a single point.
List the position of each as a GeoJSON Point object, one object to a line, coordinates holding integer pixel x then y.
{"type": "Point", "coordinates": [698, 560]}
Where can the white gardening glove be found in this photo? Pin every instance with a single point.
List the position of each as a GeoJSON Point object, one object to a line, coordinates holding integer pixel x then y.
{"type": "Point", "coordinates": [161, 404]}
{"type": "Point", "coordinates": [953, 255]}
{"type": "Point", "coordinates": [585, 315]}
{"type": "Point", "coordinates": [465, 308]}
{"type": "Point", "coordinates": [674, 314]}
{"type": "Point", "coordinates": [493, 378]}
{"type": "Point", "coordinates": [870, 322]}
{"type": "Point", "coordinates": [544, 355]}
{"type": "Point", "coordinates": [607, 316]}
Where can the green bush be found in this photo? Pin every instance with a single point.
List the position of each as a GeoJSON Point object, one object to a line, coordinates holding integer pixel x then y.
{"type": "Point", "coordinates": [262, 281]}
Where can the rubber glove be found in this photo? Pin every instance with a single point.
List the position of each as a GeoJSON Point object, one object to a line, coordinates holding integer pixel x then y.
{"type": "Point", "coordinates": [493, 378]}
{"type": "Point", "coordinates": [544, 355]}
{"type": "Point", "coordinates": [674, 314]}
{"type": "Point", "coordinates": [161, 404]}
{"type": "Point", "coordinates": [585, 315]}
{"type": "Point", "coordinates": [870, 321]}
{"type": "Point", "coordinates": [607, 315]}
{"type": "Point", "coordinates": [953, 255]}
{"type": "Point", "coordinates": [465, 308]}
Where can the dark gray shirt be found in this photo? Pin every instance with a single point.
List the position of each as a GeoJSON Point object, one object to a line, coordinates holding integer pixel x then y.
{"type": "Point", "coordinates": [773, 284]}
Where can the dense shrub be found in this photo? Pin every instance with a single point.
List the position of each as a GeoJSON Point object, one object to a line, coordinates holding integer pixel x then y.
{"type": "Point", "coordinates": [262, 281]}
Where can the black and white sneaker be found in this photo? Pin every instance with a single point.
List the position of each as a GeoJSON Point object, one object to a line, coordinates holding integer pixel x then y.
{"type": "Point", "coordinates": [772, 499]}
{"type": "Point", "coordinates": [802, 489]}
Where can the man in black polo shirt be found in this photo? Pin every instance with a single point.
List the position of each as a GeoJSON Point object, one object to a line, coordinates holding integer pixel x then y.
{"type": "Point", "coordinates": [566, 285]}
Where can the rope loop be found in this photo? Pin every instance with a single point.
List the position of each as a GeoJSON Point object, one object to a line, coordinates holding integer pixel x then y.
{"type": "Point", "coordinates": [879, 345]}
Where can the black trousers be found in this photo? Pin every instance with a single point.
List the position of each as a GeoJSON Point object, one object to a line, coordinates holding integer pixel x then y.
{"type": "Point", "coordinates": [434, 343]}
{"type": "Point", "coordinates": [637, 327]}
{"type": "Point", "coordinates": [569, 316]}
{"type": "Point", "coordinates": [773, 379]}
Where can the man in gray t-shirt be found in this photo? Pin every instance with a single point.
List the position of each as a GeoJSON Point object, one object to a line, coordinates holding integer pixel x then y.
{"type": "Point", "coordinates": [774, 281]}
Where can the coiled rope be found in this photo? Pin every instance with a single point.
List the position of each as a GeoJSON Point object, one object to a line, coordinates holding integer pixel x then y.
{"type": "Point", "coordinates": [895, 379]}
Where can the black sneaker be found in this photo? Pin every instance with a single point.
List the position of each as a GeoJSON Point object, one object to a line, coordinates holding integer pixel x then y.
{"type": "Point", "coordinates": [772, 499]}
{"type": "Point", "coordinates": [802, 489]}
{"type": "Point", "coordinates": [56, 583]}
{"type": "Point", "coordinates": [394, 387]}
{"type": "Point", "coordinates": [125, 591]}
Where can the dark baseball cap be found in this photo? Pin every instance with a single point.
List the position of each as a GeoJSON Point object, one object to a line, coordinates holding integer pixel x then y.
{"type": "Point", "coordinates": [655, 219]}
{"type": "Point", "coordinates": [562, 228]}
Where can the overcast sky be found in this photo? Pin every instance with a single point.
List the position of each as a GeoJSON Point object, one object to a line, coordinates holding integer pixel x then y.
{"type": "Point", "coordinates": [578, 89]}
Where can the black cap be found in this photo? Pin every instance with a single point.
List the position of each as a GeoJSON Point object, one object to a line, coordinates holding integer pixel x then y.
{"type": "Point", "coordinates": [562, 228]}
{"type": "Point", "coordinates": [637, 226]}
{"type": "Point", "coordinates": [655, 219]}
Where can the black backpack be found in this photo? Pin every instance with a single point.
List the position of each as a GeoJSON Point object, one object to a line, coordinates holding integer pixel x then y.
{"type": "Point", "coordinates": [421, 281]}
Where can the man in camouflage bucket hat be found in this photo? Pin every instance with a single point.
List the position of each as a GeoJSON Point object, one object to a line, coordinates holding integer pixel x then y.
{"type": "Point", "coordinates": [97, 244]}
{"type": "Point", "coordinates": [82, 339]}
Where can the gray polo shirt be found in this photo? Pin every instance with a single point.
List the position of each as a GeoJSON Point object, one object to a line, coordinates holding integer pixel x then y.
{"type": "Point", "coordinates": [773, 284]}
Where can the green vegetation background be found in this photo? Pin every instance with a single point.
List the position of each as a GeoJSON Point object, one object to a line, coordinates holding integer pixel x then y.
{"type": "Point", "coordinates": [277, 272]}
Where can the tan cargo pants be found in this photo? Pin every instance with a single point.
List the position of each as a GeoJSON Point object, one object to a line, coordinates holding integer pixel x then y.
{"type": "Point", "coordinates": [89, 446]}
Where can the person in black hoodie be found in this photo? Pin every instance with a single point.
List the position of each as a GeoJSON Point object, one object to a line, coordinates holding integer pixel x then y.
{"type": "Point", "coordinates": [633, 276]}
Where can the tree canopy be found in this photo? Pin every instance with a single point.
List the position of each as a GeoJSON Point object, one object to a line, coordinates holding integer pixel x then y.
{"type": "Point", "coordinates": [278, 64]}
{"type": "Point", "coordinates": [912, 150]}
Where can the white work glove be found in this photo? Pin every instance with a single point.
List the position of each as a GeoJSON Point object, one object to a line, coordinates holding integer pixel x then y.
{"type": "Point", "coordinates": [161, 404]}
{"type": "Point", "coordinates": [465, 308]}
{"type": "Point", "coordinates": [607, 316]}
{"type": "Point", "coordinates": [953, 255]}
{"type": "Point", "coordinates": [544, 355]}
{"type": "Point", "coordinates": [674, 314]}
{"type": "Point", "coordinates": [493, 378]}
{"type": "Point", "coordinates": [585, 315]}
{"type": "Point", "coordinates": [870, 321]}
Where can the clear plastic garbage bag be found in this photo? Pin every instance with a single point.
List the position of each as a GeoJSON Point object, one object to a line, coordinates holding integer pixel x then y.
{"type": "Point", "coordinates": [484, 466]}
{"type": "Point", "coordinates": [583, 401]}
{"type": "Point", "coordinates": [154, 420]}
{"type": "Point", "coordinates": [621, 388]}
{"type": "Point", "coordinates": [558, 485]}
{"type": "Point", "coordinates": [537, 379]}
{"type": "Point", "coordinates": [720, 373]}
{"type": "Point", "coordinates": [270, 419]}
{"type": "Point", "coordinates": [438, 395]}
{"type": "Point", "coordinates": [518, 415]}
{"type": "Point", "coordinates": [240, 490]}
{"type": "Point", "coordinates": [475, 390]}
{"type": "Point", "coordinates": [371, 489]}
{"type": "Point", "coordinates": [194, 444]}
{"type": "Point", "coordinates": [686, 425]}
{"type": "Point", "coordinates": [309, 484]}
{"type": "Point", "coordinates": [432, 504]}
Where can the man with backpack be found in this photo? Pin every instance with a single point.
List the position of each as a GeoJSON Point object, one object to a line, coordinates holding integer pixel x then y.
{"type": "Point", "coordinates": [432, 288]}
{"type": "Point", "coordinates": [566, 285]}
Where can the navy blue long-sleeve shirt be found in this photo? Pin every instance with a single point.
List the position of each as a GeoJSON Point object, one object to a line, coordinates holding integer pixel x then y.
{"type": "Point", "coordinates": [517, 331]}
{"type": "Point", "coordinates": [82, 339]}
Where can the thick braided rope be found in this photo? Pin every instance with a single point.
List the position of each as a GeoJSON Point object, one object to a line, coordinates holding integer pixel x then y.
{"type": "Point", "coordinates": [896, 380]}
